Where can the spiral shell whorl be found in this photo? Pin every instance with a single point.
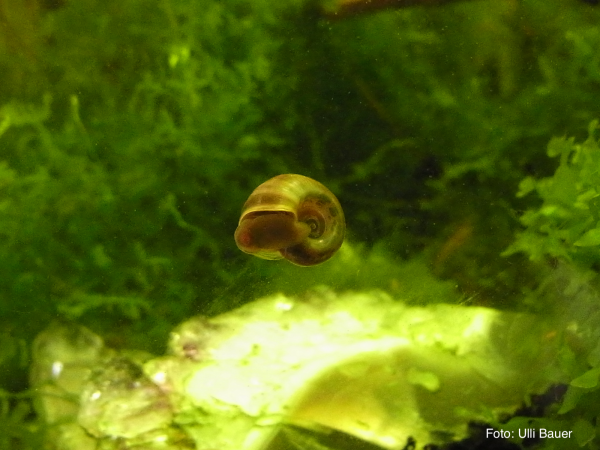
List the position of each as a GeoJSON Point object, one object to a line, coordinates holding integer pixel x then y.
{"type": "Point", "coordinates": [294, 217]}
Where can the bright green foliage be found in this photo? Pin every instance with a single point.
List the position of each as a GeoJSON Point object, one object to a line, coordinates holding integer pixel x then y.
{"type": "Point", "coordinates": [566, 228]}
{"type": "Point", "coordinates": [567, 224]}
{"type": "Point", "coordinates": [117, 198]}
{"type": "Point", "coordinates": [129, 150]}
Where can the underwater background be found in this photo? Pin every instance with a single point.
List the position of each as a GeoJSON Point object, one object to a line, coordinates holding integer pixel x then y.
{"type": "Point", "coordinates": [460, 138]}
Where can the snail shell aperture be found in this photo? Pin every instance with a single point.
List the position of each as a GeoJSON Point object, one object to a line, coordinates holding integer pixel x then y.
{"type": "Point", "coordinates": [293, 217]}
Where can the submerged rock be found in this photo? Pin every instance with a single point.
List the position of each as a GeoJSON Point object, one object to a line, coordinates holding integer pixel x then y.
{"type": "Point", "coordinates": [359, 363]}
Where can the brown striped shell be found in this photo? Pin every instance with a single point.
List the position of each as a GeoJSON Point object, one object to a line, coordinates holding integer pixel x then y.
{"type": "Point", "coordinates": [293, 217]}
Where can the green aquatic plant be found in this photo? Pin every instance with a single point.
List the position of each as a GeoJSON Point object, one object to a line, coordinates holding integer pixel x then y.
{"type": "Point", "coordinates": [562, 236]}
{"type": "Point", "coordinates": [567, 223]}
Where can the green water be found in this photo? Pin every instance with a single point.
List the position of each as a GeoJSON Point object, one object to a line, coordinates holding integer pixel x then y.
{"type": "Point", "coordinates": [131, 134]}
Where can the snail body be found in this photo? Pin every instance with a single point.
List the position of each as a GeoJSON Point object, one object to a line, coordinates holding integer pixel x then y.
{"type": "Point", "coordinates": [293, 217]}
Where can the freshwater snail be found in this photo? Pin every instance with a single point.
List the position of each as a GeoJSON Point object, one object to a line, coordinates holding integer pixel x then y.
{"type": "Point", "coordinates": [293, 217]}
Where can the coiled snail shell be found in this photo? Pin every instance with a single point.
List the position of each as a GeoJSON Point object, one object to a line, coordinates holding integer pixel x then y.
{"type": "Point", "coordinates": [293, 217]}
